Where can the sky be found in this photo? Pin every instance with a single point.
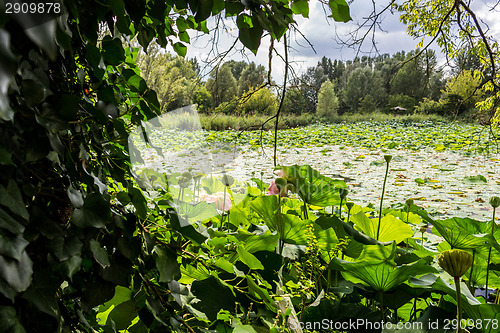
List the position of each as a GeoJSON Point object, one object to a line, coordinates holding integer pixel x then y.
{"type": "Point", "coordinates": [325, 36]}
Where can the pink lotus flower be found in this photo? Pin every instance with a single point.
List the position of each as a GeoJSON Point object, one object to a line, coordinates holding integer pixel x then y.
{"type": "Point", "coordinates": [220, 202]}
{"type": "Point", "coordinates": [273, 189]}
{"type": "Point", "coordinates": [281, 173]}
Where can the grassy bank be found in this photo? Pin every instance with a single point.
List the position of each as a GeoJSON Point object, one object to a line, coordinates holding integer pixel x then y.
{"type": "Point", "coordinates": [223, 122]}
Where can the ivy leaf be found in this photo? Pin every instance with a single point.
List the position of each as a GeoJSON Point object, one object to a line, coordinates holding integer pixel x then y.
{"type": "Point", "coordinates": [12, 246]}
{"type": "Point", "coordinates": [301, 7]}
{"type": "Point", "coordinates": [95, 212]}
{"type": "Point", "coordinates": [99, 253]}
{"type": "Point", "coordinates": [11, 198]}
{"type": "Point", "coordinates": [44, 35]}
{"type": "Point", "coordinates": [65, 247]}
{"type": "Point", "coordinates": [234, 8]}
{"type": "Point", "coordinates": [340, 10]}
{"type": "Point", "coordinates": [139, 202]}
{"type": "Point", "coordinates": [9, 223]}
{"type": "Point", "coordinates": [202, 8]}
{"type": "Point", "coordinates": [8, 67]}
{"type": "Point", "coordinates": [250, 38]}
{"type": "Point", "coordinates": [42, 293]}
{"type": "Point", "coordinates": [180, 49]}
{"type": "Point", "coordinates": [9, 320]}
{"type": "Point", "coordinates": [15, 275]}
{"type": "Point", "coordinates": [113, 51]}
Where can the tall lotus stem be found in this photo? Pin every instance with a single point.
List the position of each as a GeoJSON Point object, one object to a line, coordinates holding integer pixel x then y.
{"type": "Point", "coordinates": [422, 230]}
{"type": "Point", "coordinates": [456, 262]}
{"type": "Point", "coordinates": [387, 158]}
{"type": "Point", "coordinates": [349, 207]}
{"type": "Point", "coordinates": [472, 270]}
{"type": "Point", "coordinates": [494, 202]}
{"type": "Point", "coordinates": [343, 195]}
{"type": "Point", "coordinates": [227, 181]}
{"type": "Point", "coordinates": [459, 304]}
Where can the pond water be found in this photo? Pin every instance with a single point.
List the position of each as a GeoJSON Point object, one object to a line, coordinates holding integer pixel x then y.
{"type": "Point", "coordinates": [445, 183]}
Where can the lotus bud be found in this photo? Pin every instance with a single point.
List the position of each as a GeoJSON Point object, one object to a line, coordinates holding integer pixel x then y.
{"type": "Point", "coordinates": [455, 262]}
{"type": "Point", "coordinates": [227, 180]}
{"type": "Point", "coordinates": [280, 183]}
{"type": "Point", "coordinates": [343, 192]}
{"type": "Point", "coordinates": [288, 187]}
{"type": "Point", "coordinates": [495, 202]}
{"type": "Point", "coordinates": [388, 158]}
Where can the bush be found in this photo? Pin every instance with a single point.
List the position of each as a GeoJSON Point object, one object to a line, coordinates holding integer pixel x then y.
{"type": "Point", "coordinates": [403, 101]}
{"type": "Point", "coordinates": [428, 106]}
{"type": "Point", "coordinates": [259, 101]}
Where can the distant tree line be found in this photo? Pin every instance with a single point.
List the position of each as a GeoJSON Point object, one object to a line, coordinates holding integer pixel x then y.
{"type": "Point", "coordinates": [400, 83]}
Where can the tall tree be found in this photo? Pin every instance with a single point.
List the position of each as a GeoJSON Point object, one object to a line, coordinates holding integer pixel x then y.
{"type": "Point", "coordinates": [363, 82]}
{"type": "Point", "coordinates": [172, 77]}
{"type": "Point", "coordinates": [222, 85]}
{"type": "Point", "coordinates": [251, 77]}
{"type": "Point", "coordinates": [328, 102]}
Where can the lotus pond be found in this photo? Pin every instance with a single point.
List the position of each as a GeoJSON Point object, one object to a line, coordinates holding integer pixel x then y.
{"type": "Point", "coordinates": [310, 245]}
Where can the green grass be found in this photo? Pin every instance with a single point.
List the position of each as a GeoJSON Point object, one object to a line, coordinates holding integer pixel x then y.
{"type": "Point", "coordinates": [381, 116]}
{"type": "Point", "coordinates": [221, 122]}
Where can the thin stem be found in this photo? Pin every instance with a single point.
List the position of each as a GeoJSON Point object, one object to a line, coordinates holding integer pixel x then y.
{"type": "Point", "coordinates": [471, 269]}
{"type": "Point", "coordinates": [382, 305]}
{"type": "Point", "coordinates": [489, 253]}
{"type": "Point", "coordinates": [459, 304]}
{"type": "Point", "coordinates": [285, 78]}
{"type": "Point", "coordinates": [340, 208]}
{"type": "Point", "coordinates": [382, 199]}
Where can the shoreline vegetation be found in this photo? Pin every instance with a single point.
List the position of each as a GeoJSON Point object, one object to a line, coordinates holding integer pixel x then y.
{"type": "Point", "coordinates": [223, 122]}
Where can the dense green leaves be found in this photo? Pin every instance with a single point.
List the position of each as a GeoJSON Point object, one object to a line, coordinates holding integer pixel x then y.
{"type": "Point", "coordinates": [383, 276]}
{"type": "Point", "coordinates": [391, 228]}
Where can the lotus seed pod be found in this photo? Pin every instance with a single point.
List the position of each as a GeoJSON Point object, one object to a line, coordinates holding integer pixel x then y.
{"type": "Point", "coordinates": [280, 183]}
{"type": "Point", "coordinates": [495, 202]}
{"type": "Point", "coordinates": [349, 205]}
{"type": "Point", "coordinates": [388, 158]}
{"type": "Point", "coordinates": [187, 175]}
{"type": "Point", "coordinates": [409, 202]}
{"type": "Point", "coordinates": [184, 181]}
{"type": "Point", "coordinates": [455, 262]}
{"type": "Point", "coordinates": [343, 192]}
{"type": "Point", "coordinates": [423, 229]}
{"type": "Point", "coordinates": [227, 180]}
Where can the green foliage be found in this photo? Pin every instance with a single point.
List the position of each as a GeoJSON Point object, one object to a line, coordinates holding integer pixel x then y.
{"type": "Point", "coordinates": [222, 85]}
{"type": "Point", "coordinates": [172, 77]}
{"type": "Point", "coordinates": [74, 225]}
{"type": "Point", "coordinates": [84, 248]}
{"type": "Point", "coordinates": [403, 101]}
{"type": "Point", "coordinates": [361, 83]}
{"type": "Point", "coordinates": [202, 98]}
{"type": "Point", "coordinates": [462, 92]}
{"type": "Point", "coordinates": [251, 77]}
{"type": "Point", "coordinates": [260, 101]}
{"type": "Point", "coordinates": [328, 102]}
